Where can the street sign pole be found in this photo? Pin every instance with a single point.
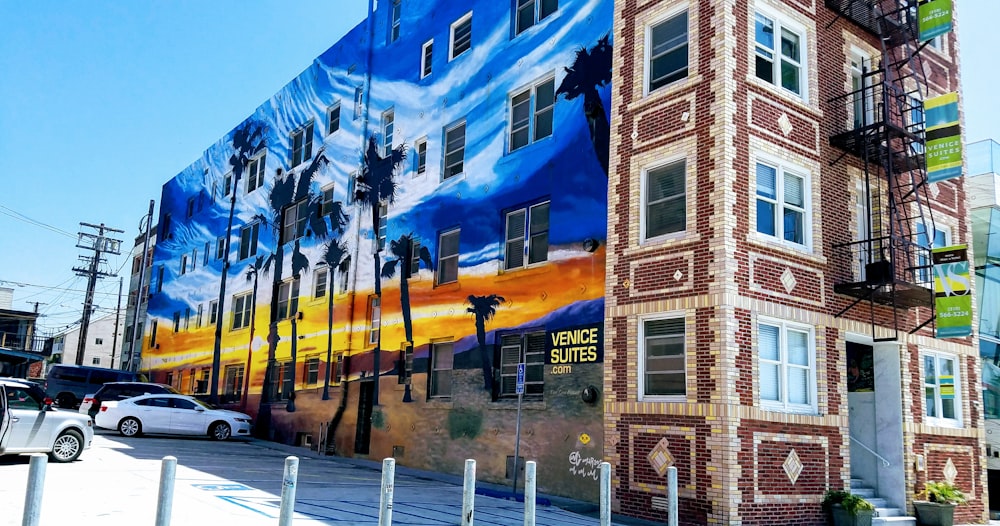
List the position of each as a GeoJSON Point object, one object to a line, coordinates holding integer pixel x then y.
{"type": "Point", "coordinates": [517, 433]}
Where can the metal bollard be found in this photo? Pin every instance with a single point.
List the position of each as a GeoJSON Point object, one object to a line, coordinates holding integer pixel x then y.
{"type": "Point", "coordinates": [672, 496]}
{"type": "Point", "coordinates": [469, 492]}
{"type": "Point", "coordinates": [288, 482]}
{"type": "Point", "coordinates": [36, 485]}
{"type": "Point", "coordinates": [529, 493]}
{"type": "Point", "coordinates": [605, 494]}
{"type": "Point", "coordinates": [165, 498]}
{"type": "Point", "coordinates": [385, 500]}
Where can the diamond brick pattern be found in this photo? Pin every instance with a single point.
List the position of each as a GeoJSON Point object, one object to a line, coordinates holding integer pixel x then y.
{"type": "Point", "coordinates": [793, 466]}
{"type": "Point", "coordinates": [660, 457]}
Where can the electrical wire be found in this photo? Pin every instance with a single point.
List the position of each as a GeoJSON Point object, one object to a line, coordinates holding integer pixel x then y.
{"type": "Point", "coordinates": [21, 217]}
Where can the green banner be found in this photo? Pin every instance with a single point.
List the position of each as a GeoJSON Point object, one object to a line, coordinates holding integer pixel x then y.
{"type": "Point", "coordinates": [934, 18]}
{"type": "Point", "coordinates": [952, 292]}
{"type": "Point", "coordinates": [944, 138]}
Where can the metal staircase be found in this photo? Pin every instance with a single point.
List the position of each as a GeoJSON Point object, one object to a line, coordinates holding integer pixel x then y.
{"type": "Point", "coordinates": [884, 131]}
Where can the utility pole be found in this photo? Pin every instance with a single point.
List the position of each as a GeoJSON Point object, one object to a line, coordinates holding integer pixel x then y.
{"type": "Point", "coordinates": [99, 244]}
{"type": "Point", "coordinates": [118, 313]}
{"type": "Point", "coordinates": [132, 364]}
{"type": "Point", "coordinates": [36, 304]}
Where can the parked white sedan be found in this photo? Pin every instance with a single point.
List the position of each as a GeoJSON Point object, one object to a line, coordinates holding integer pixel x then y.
{"type": "Point", "coordinates": [171, 414]}
{"type": "Point", "coordinates": [29, 424]}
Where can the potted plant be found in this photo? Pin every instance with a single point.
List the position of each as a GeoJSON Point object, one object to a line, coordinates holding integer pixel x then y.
{"type": "Point", "coordinates": [935, 506]}
{"type": "Point", "coordinates": [845, 509]}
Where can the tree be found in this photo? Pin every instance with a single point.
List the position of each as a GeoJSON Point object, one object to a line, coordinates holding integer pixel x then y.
{"type": "Point", "coordinates": [377, 185]}
{"type": "Point", "coordinates": [590, 70]}
{"type": "Point", "coordinates": [484, 308]}
{"type": "Point", "coordinates": [247, 141]}
{"type": "Point", "coordinates": [333, 256]}
{"type": "Point", "coordinates": [253, 271]}
{"type": "Point", "coordinates": [402, 250]}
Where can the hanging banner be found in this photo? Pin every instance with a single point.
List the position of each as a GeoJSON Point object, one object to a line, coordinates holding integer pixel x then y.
{"type": "Point", "coordinates": [952, 294]}
{"type": "Point", "coordinates": [944, 138]}
{"type": "Point", "coordinates": [934, 18]}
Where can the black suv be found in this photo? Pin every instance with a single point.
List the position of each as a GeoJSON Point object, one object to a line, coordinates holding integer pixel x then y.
{"type": "Point", "coordinates": [120, 391]}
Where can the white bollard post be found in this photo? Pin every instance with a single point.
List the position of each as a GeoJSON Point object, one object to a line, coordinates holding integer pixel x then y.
{"type": "Point", "coordinates": [605, 494]}
{"type": "Point", "coordinates": [469, 492]}
{"type": "Point", "coordinates": [36, 485]}
{"type": "Point", "coordinates": [671, 496]}
{"type": "Point", "coordinates": [385, 500]}
{"type": "Point", "coordinates": [529, 493]}
{"type": "Point", "coordinates": [288, 481]}
{"type": "Point", "coordinates": [165, 498]}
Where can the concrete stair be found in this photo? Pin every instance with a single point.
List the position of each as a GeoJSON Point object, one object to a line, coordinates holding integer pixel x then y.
{"type": "Point", "coordinates": [884, 515]}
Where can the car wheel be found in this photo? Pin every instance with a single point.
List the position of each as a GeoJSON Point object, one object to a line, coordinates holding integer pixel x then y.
{"type": "Point", "coordinates": [220, 431]}
{"type": "Point", "coordinates": [67, 446]}
{"type": "Point", "coordinates": [130, 427]}
{"type": "Point", "coordinates": [66, 401]}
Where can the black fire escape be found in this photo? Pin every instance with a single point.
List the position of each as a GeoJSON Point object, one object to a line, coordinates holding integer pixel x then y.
{"type": "Point", "coordinates": [884, 130]}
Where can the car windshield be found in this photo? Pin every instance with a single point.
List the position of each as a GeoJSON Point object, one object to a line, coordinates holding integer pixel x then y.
{"type": "Point", "coordinates": [206, 405]}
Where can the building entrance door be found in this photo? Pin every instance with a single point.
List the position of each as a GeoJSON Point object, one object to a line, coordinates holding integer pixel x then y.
{"type": "Point", "coordinates": [363, 436]}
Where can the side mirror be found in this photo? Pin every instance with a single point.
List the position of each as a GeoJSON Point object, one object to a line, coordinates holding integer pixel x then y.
{"type": "Point", "coordinates": [200, 409]}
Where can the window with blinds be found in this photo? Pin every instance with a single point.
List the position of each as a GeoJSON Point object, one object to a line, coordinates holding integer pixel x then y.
{"type": "Point", "coordinates": [782, 204]}
{"type": "Point", "coordinates": [786, 376]}
{"type": "Point", "coordinates": [515, 348]}
{"type": "Point", "coordinates": [662, 357]}
{"type": "Point", "coordinates": [665, 206]}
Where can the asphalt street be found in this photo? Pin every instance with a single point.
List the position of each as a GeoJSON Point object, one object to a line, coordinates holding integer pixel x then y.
{"type": "Point", "coordinates": [115, 482]}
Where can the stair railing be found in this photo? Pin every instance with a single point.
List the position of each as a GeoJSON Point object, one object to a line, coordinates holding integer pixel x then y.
{"type": "Point", "coordinates": [870, 450]}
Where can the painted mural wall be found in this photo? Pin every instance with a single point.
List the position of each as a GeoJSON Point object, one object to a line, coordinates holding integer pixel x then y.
{"type": "Point", "coordinates": [419, 211]}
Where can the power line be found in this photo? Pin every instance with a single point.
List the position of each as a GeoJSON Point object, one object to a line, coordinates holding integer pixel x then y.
{"type": "Point", "coordinates": [21, 217]}
{"type": "Point", "coordinates": [21, 284]}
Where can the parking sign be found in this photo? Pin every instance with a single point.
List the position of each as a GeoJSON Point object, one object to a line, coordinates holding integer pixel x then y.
{"type": "Point", "coordinates": [520, 379]}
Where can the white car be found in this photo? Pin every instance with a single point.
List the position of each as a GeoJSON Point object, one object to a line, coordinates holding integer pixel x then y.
{"type": "Point", "coordinates": [171, 414]}
{"type": "Point", "coordinates": [29, 424]}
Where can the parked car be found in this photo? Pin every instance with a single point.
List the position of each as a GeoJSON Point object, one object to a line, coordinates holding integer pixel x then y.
{"type": "Point", "coordinates": [29, 424]}
{"type": "Point", "coordinates": [120, 391]}
{"type": "Point", "coordinates": [68, 384]}
{"type": "Point", "coordinates": [171, 414]}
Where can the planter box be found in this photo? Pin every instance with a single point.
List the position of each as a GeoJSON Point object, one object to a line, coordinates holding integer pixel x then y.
{"type": "Point", "coordinates": [934, 514]}
{"type": "Point", "coordinates": [841, 517]}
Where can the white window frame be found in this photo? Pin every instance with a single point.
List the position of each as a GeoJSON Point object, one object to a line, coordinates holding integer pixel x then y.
{"type": "Point", "coordinates": [938, 356]}
{"type": "Point", "coordinates": [321, 278]}
{"type": "Point", "coordinates": [648, 48]}
{"type": "Point", "coordinates": [305, 151]}
{"type": "Point", "coordinates": [441, 258]}
{"type": "Point", "coordinates": [451, 36]}
{"type": "Point", "coordinates": [395, 17]}
{"type": "Point", "coordinates": [374, 319]}
{"type": "Point", "coordinates": [930, 232]}
{"type": "Point", "coordinates": [420, 156]}
{"type": "Point", "coordinates": [536, 12]}
{"type": "Point", "coordinates": [641, 353]}
{"type": "Point", "coordinates": [436, 368]}
{"type": "Point", "coordinates": [644, 196]}
{"type": "Point", "coordinates": [242, 304]}
{"type": "Point", "coordinates": [255, 172]}
{"type": "Point", "coordinates": [534, 114]}
{"type": "Point", "coordinates": [288, 298]}
{"type": "Point", "coordinates": [781, 21]}
{"type": "Point", "coordinates": [444, 159]}
{"type": "Point", "coordinates": [860, 61]}
{"type": "Point", "coordinates": [383, 224]}
{"type": "Point", "coordinates": [326, 199]}
{"type": "Point", "coordinates": [427, 58]}
{"type": "Point", "coordinates": [527, 237]}
{"type": "Point", "coordinates": [333, 125]}
{"type": "Point", "coordinates": [345, 273]}
{"type": "Point", "coordinates": [248, 247]}
{"type": "Point", "coordinates": [311, 371]}
{"type": "Point", "coordinates": [213, 311]}
{"type": "Point", "coordinates": [358, 96]}
{"type": "Point", "coordinates": [184, 264]}
{"type": "Point", "coordinates": [388, 130]}
{"type": "Point", "coordinates": [781, 167]}
{"type": "Point", "coordinates": [292, 225]}
{"type": "Point", "coordinates": [782, 404]}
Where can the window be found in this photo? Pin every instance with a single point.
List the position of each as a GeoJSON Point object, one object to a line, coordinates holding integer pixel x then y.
{"type": "Point", "coordinates": [213, 311]}
{"type": "Point", "coordinates": [99, 341]}
{"type": "Point", "coordinates": [785, 364]}
{"type": "Point", "coordinates": [394, 21]}
{"type": "Point", "coordinates": [664, 206]}
{"type": "Point", "coordinates": [190, 207]}
{"type": "Point", "coordinates": [942, 394]}
{"type": "Point", "coordinates": [288, 298]}
{"type": "Point", "coordinates": [383, 224]}
{"type": "Point", "coordinates": [388, 125]}
{"type": "Point", "coordinates": [406, 365]}
{"type": "Point", "coordinates": [414, 256]}
{"type": "Point", "coordinates": [326, 201]}
{"type": "Point", "coordinates": [295, 217]}
{"type": "Point", "coordinates": [202, 385]}
{"type": "Point", "coordinates": [454, 150]}
{"type": "Point", "coordinates": [345, 267]}
{"type": "Point", "coordinates": [531, 114]}
{"type": "Point", "coordinates": [516, 348]}
{"type": "Point", "coordinates": [242, 304]}
{"type": "Point", "coordinates": [942, 236]}
{"type": "Point", "coordinates": [248, 240]}
{"type": "Point", "coordinates": [255, 172]}
{"type": "Point", "coordinates": [96, 360]}
{"type": "Point", "coordinates": [358, 94]}
{"type": "Point", "coordinates": [338, 371]}
{"type": "Point", "coordinates": [461, 36]}
{"type": "Point", "coordinates": [863, 103]}
{"type": "Point", "coordinates": [282, 381]}
{"type": "Point", "coordinates": [194, 259]}
{"type": "Point", "coordinates": [420, 157]}
{"type": "Point", "coordinates": [187, 318]}
{"type": "Point", "coordinates": [227, 183]}
{"type": "Point", "coordinates": [530, 12]}
{"type": "Point", "coordinates": [668, 55]}
{"type": "Point", "coordinates": [333, 118]}
{"type": "Point", "coordinates": [153, 325]}
{"type": "Point", "coordinates": [320, 276]}
{"type": "Point", "coordinates": [782, 66]}
{"type": "Point", "coordinates": [302, 144]}
{"type": "Point", "coordinates": [233, 387]}
{"type": "Point", "coordinates": [206, 254]}
{"type": "Point", "coordinates": [442, 361]}
{"type": "Point", "coordinates": [200, 312]}
{"type": "Point", "coordinates": [917, 124]}
{"type": "Point", "coordinates": [159, 278]}
{"type": "Point", "coordinates": [220, 248]}
{"type": "Point", "coordinates": [426, 54]}
{"type": "Point", "coordinates": [527, 236]}
{"type": "Point", "coordinates": [374, 319]}
{"type": "Point", "coordinates": [177, 321]}
{"type": "Point", "coordinates": [312, 371]}
{"type": "Point", "coordinates": [936, 43]}
{"type": "Point", "coordinates": [184, 264]}
{"type": "Point", "coordinates": [448, 257]}
{"type": "Point", "coordinates": [781, 204]}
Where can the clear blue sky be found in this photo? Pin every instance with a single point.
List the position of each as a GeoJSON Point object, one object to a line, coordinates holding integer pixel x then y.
{"type": "Point", "coordinates": [103, 101]}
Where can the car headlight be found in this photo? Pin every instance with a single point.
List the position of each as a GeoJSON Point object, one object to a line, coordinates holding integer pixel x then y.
{"type": "Point", "coordinates": [244, 420]}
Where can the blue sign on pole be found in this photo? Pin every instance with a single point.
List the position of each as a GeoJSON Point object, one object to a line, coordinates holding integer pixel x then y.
{"type": "Point", "coordinates": [520, 379]}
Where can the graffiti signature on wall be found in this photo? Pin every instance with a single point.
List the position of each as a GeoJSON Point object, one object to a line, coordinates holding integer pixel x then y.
{"type": "Point", "coordinates": [584, 466]}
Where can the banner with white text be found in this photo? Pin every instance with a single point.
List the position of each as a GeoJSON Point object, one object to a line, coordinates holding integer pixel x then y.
{"type": "Point", "coordinates": [952, 292]}
{"type": "Point", "coordinates": [944, 138]}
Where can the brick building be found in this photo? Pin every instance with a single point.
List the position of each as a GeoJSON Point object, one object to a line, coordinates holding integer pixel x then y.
{"type": "Point", "coordinates": [770, 326]}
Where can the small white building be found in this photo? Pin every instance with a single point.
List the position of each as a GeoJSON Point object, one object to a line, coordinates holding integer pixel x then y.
{"type": "Point", "coordinates": [99, 350]}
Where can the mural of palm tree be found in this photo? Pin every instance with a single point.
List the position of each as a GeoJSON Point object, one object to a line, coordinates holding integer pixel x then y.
{"type": "Point", "coordinates": [590, 70]}
{"type": "Point", "coordinates": [484, 308]}
{"type": "Point", "coordinates": [376, 185]}
{"type": "Point", "coordinates": [247, 141]}
{"type": "Point", "coordinates": [333, 256]}
{"type": "Point", "coordinates": [252, 272]}
{"type": "Point", "coordinates": [402, 250]}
